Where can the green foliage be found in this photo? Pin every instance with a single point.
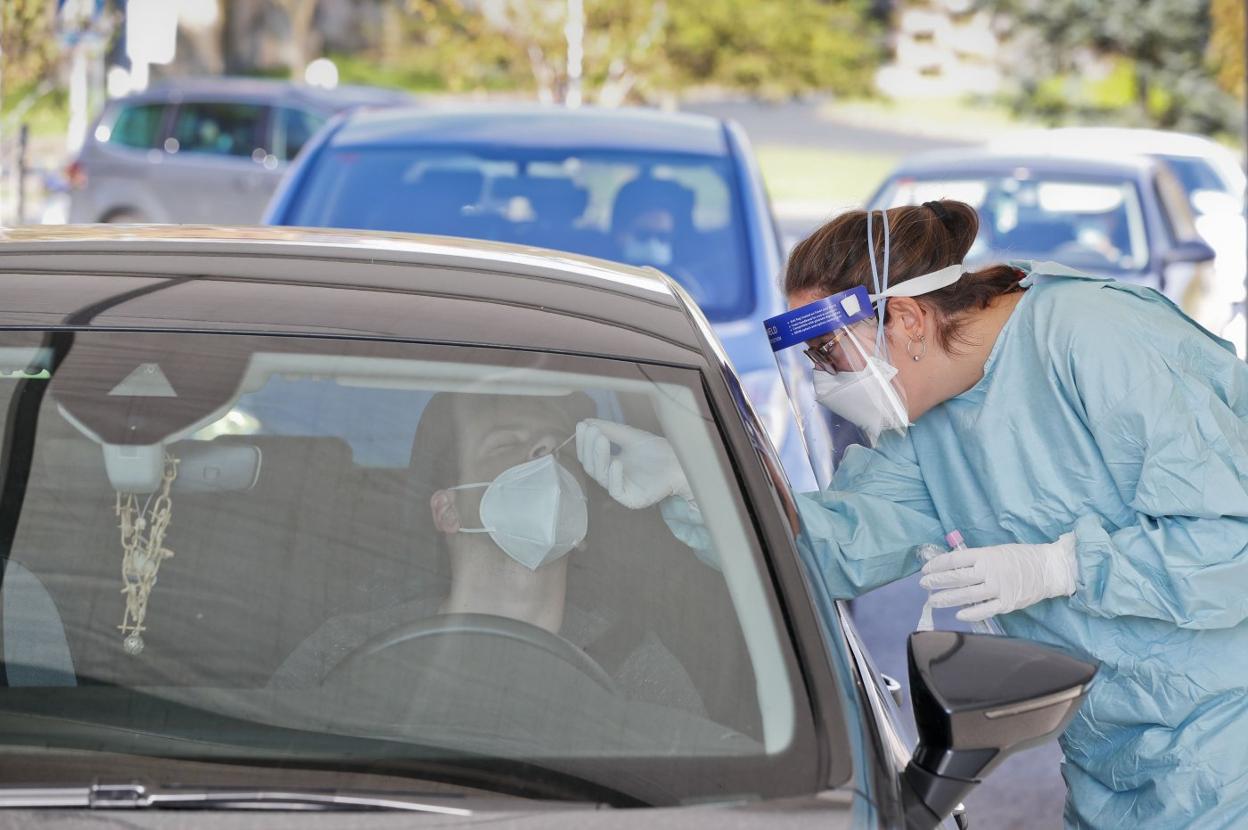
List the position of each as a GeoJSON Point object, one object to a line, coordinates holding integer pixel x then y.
{"type": "Point", "coordinates": [779, 48]}
{"type": "Point", "coordinates": [1226, 45]}
{"type": "Point", "coordinates": [1117, 89]}
{"type": "Point", "coordinates": [1162, 42]}
{"type": "Point", "coordinates": [362, 69]}
{"type": "Point", "coordinates": [636, 49]}
{"type": "Point", "coordinates": [29, 43]}
{"type": "Point", "coordinates": [452, 41]}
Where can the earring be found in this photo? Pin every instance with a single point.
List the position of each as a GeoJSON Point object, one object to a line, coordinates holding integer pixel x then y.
{"type": "Point", "coordinates": [922, 342]}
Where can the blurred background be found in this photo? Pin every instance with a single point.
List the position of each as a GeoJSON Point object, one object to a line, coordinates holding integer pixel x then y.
{"type": "Point", "coordinates": [833, 92]}
{"type": "Point", "coordinates": [1107, 134]}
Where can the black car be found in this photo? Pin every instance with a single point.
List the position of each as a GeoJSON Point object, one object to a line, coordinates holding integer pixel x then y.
{"type": "Point", "coordinates": [258, 512]}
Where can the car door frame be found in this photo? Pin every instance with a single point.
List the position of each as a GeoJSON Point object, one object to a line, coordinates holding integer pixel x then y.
{"type": "Point", "coordinates": [832, 659]}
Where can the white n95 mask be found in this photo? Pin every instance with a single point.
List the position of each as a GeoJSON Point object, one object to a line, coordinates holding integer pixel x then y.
{"type": "Point", "coordinates": [867, 399]}
{"type": "Point", "coordinates": [534, 511]}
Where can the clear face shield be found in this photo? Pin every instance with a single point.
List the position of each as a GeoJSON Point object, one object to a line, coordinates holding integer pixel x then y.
{"type": "Point", "coordinates": [834, 361]}
{"type": "Point", "coordinates": [834, 358]}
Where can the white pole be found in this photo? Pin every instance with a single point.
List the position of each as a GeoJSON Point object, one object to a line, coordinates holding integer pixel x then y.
{"type": "Point", "coordinates": [574, 31]}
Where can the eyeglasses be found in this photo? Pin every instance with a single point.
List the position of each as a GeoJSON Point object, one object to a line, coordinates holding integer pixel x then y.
{"type": "Point", "coordinates": [825, 356]}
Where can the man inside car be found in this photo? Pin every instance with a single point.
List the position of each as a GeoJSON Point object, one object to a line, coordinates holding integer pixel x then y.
{"type": "Point", "coordinates": [489, 481]}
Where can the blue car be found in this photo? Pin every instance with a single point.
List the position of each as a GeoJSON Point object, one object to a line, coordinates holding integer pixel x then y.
{"type": "Point", "coordinates": [681, 193]}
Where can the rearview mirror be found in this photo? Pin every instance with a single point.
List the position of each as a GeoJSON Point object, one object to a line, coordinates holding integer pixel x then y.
{"type": "Point", "coordinates": [978, 699]}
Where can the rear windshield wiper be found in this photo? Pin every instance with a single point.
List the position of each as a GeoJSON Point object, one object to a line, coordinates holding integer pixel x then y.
{"type": "Point", "coordinates": [139, 796]}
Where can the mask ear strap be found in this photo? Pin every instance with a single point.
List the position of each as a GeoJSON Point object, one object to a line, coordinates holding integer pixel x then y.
{"type": "Point", "coordinates": [881, 284]}
{"type": "Point", "coordinates": [875, 274]}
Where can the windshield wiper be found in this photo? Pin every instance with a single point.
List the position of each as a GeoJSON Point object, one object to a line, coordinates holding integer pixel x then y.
{"type": "Point", "coordinates": [139, 796]}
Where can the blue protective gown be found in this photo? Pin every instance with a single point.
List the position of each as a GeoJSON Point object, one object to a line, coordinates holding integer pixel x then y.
{"type": "Point", "coordinates": [1104, 410]}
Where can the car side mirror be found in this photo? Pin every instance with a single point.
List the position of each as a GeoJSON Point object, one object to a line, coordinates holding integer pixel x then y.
{"type": "Point", "coordinates": [979, 698]}
{"type": "Point", "coordinates": [1189, 250]}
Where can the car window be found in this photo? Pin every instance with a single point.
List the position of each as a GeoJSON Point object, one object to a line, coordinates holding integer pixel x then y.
{"type": "Point", "coordinates": [677, 213]}
{"type": "Point", "coordinates": [136, 126]}
{"type": "Point", "coordinates": [1095, 223]}
{"type": "Point", "coordinates": [1195, 173]}
{"type": "Point", "coordinates": [224, 129]}
{"type": "Point", "coordinates": [294, 128]}
{"type": "Point", "coordinates": [385, 546]}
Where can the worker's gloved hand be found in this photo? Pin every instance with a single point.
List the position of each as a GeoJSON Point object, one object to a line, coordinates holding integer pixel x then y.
{"type": "Point", "coordinates": [643, 471]}
{"type": "Point", "coordinates": [1000, 579]}
{"type": "Point", "coordinates": [684, 519]}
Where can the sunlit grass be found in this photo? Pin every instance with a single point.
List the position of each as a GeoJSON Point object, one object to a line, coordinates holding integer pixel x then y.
{"type": "Point", "coordinates": [816, 176]}
{"type": "Point", "coordinates": [962, 118]}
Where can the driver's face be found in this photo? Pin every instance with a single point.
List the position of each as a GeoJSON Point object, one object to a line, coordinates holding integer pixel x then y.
{"type": "Point", "coordinates": [499, 432]}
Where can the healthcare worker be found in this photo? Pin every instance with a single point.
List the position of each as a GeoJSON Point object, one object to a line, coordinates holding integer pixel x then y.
{"type": "Point", "coordinates": [1091, 444]}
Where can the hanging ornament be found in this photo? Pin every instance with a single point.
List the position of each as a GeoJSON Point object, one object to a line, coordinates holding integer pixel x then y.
{"type": "Point", "coordinates": [142, 544]}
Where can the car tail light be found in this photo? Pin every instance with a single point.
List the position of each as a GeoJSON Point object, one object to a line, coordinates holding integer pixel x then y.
{"type": "Point", "coordinates": [76, 175]}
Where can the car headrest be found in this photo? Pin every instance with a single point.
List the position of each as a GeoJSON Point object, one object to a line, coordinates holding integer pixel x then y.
{"type": "Point", "coordinates": [456, 188]}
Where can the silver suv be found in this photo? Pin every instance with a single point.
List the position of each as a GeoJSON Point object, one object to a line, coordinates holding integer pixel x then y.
{"type": "Point", "coordinates": [201, 151]}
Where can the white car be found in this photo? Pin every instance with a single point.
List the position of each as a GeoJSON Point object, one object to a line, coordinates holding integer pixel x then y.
{"type": "Point", "coordinates": [1211, 175]}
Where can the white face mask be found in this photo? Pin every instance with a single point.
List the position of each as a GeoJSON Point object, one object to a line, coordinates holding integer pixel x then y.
{"type": "Point", "coordinates": [647, 251]}
{"type": "Point", "coordinates": [534, 511]}
{"type": "Point", "coordinates": [867, 398]}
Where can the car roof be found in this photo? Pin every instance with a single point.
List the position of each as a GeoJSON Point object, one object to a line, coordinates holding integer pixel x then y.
{"type": "Point", "coordinates": [268, 90]}
{"type": "Point", "coordinates": [344, 283]}
{"type": "Point", "coordinates": [536, 127]}
{"type": "Point", "coordinates": [988, 161]}
{"type": "Point", "coordinates": [1116, 140]}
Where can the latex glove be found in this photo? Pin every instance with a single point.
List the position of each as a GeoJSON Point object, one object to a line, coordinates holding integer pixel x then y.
{"type": "Point", "coordinates": [1000, 579]}
{"type": "Point", "coordinates": [684, 519]}
{"type": "Point", "coordinates": [644, 471]}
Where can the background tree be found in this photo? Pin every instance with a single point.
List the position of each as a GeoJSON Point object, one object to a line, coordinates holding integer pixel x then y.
{"type": "Point", "coordinates": [638, 49]}
{"type": "Point", "coordinates": [29, 45]}
{"type": "Point", "coordinates": [1226, 45]}
{"type": "Point", "coordinates": [1162, 43]}
{"type": "Point", "coordinates": [785, 48]}
{"type": "Point", "coordinates": [300, 48]}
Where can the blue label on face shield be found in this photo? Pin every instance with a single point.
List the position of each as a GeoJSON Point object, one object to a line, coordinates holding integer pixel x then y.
{"type": "Point", "coordinates": [818, 318]}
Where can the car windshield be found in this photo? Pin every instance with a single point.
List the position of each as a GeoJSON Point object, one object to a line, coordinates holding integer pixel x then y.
{"type": "Point", "coordinates": [381, 557]}
{"type": "Point", "coordinates": [678, 213]}
{"type": "Point", "coordinates": [1085, 222]}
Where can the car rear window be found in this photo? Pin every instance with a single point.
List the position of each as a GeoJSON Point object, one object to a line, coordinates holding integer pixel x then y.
{"type": "Point", "coordinates": [136, 126]}
{"type": "Point", "coordinates": [678, 213]}
{"type": "Point", "coordinates": [1089, 222]}
{"type": "Point", "coordinates": [262, 548]}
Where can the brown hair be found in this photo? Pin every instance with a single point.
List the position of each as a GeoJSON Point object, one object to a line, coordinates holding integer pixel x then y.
{"type": "Point", "coordinates": [922, 238]}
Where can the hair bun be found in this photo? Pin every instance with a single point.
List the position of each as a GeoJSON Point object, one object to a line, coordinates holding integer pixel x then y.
{"type": "Point", "coordinates": [942, 213]}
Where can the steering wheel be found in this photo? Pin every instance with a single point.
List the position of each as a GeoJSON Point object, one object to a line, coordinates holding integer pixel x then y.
{"type": "Point", "coordinates": [476, 625]}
